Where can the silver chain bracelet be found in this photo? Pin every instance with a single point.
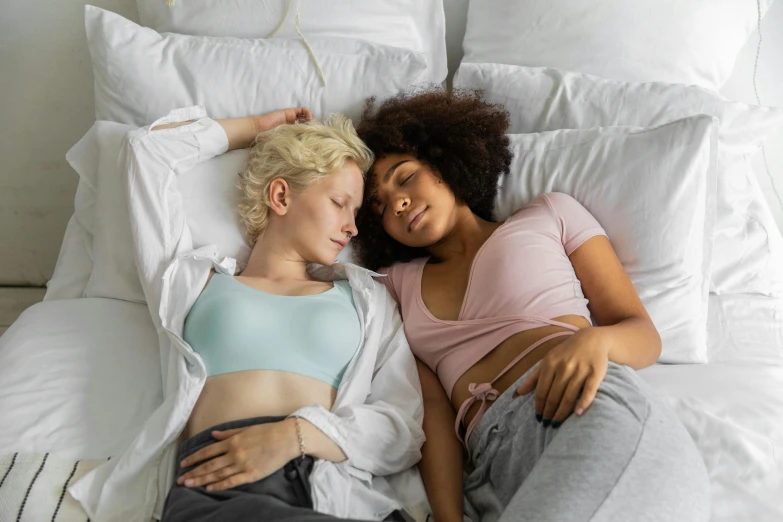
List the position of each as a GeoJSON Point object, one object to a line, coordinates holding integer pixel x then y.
{"type": "Point", "coordinates": [299, 436]}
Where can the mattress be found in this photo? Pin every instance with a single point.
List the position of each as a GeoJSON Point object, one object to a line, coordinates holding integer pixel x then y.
{"type": "Point", "coordinates": [78, 377]}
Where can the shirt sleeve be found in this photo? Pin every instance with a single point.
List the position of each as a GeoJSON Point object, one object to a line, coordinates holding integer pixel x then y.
{"type": "Point", "coordinates": [389, 281]}
{"type": "Point", "coordinates": [149, 162]}
{"type": "Point", "coordinates": [576, 223]}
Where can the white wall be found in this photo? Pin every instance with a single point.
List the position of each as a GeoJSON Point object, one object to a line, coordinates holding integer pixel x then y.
{"type": "Point", "coordinates": [46, 92]}
{"type": "Point", "coordinates": [46, 105]}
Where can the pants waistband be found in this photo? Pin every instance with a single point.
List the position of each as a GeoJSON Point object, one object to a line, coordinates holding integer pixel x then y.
{"type": "Point", "coordinates": [203, 437]}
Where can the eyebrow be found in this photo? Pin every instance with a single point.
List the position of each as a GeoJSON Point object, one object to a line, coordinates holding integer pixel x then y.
{"type": "Point", "coordinates": [391, 170]}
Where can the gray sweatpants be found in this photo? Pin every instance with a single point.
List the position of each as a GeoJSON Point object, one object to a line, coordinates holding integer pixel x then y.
{"type": "Point", "coordinates": [627, 458]}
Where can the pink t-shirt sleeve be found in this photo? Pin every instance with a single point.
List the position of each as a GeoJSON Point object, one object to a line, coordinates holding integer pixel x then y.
{"type": "Point", "coordinates": [389, 281]}
{"type": "Point", "coordinates": [576, 223]}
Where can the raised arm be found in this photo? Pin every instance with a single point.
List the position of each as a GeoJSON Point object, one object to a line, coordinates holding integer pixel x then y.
{"type": "Point", "coordinates": [242, 131]}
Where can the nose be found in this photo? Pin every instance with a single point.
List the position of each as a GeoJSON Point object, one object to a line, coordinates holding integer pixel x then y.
{"type": "Point", "coordinates": [401, 204]}
{"type": "Point", "coordinates": [350, 229]}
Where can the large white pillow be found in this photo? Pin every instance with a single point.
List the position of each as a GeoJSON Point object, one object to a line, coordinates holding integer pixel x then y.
{"type": "Point", "coordinates": [78, 377]}
{"type": "Point", "coordinates": [656, 201]}
{"type": "Point", "coordinates": [748, 255]}
{"type": "Point", "coordinates": [410, 24]}
{"type": "Point", "coordinates": [74, 262]}
{"type": "Point", "coordinates": [141, 74]}
{"type": "Point", "coordinates": [691, 42]}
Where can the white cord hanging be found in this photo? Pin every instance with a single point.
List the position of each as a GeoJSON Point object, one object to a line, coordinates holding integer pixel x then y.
{"type": "Point", "coordinates": [298, 31]}
{"type": "Point", "coordinates": [282, 21]}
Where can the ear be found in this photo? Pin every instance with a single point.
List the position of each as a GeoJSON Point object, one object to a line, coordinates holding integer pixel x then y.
{"type": "Point", "coordinates": [279, 196]}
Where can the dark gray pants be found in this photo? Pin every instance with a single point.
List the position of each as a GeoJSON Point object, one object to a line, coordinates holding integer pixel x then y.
{"type": "Point", "coordinates": [282, 496]}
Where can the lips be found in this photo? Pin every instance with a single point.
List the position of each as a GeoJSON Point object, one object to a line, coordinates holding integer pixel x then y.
{"type": "Point", "coordinates": [415, 217]}
{"type": "Point", "coordinates": [341, 243]}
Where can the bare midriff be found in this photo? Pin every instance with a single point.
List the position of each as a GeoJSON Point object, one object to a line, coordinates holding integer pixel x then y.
{"type": "Point", "coordinates": [255, 393]}
{"type": "Point", "coordinates": [488, 367]}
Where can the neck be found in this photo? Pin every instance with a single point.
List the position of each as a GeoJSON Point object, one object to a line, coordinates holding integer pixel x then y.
{"type": "Point", "coordinates": [466, 237]}
{"type": "Point", "coordinates": [275, 259]}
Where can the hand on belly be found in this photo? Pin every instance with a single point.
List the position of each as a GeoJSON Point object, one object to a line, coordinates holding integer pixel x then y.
{"type": "Point", "coordinates": [487, 368]}
{"type": "Point", "coordinates": [255, 393]}
{"type": "Point", "coordinates": [241, 456]}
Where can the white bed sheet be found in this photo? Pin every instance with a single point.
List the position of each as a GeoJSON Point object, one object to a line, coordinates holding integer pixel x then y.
{"type": "Point", "coordinates": [78, 377]}
{"type": "Point", "coordinates": [734, 412]}
{"type": "Point", "coordinates": [745, 328]}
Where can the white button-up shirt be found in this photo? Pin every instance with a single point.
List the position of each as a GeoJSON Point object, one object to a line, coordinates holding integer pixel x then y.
{"type": "Point", "coordinates": [377, 415]}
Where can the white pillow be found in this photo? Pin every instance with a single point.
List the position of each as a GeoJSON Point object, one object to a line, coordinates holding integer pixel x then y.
{"type": "Point", "coordinates": [655, 201]}
{"type": "Point", "coordinates": [141, 74]}
{"type": "Point", "coordinates": [410, 24]}
{"type": "Point", "coordinates": [78, 377]}
{"type": "Point", "coordinates": [691, 42]}
{"type": "Point", "coordinates": [74, 262]}
{"type": "Point", "coordinates": [748, 253]}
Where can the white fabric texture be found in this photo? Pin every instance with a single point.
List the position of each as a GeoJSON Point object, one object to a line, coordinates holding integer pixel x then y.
{"type": "Point", "coordinates": [734, 412]}
{"type": "Point", "coordinates": [656, 203]}
{"type": "Point", "coordinates": [34, 487]}
{"type": "Point", "coordinates": [114, 272]}
{"type": "Point", "coordinates": [694, 42]}
{"type": "Point", "coordinates": [74, 262]}
{"type": "Point", "coordinates": [418, 25]}
{"type": "Point", "coordinates": [748, 247]}
{"type": "Point", "coordinates": [78, 377]}
{"type": "Point", "coordinates": [377, 415]}
{"type": "Point", "coordinates": [140, 74]}
{"type": "Point", "coordinates": [745, 328]}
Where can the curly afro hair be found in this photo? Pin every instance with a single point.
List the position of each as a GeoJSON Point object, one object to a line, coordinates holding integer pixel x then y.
{"type": "Point", "coordinates": [456, 133]}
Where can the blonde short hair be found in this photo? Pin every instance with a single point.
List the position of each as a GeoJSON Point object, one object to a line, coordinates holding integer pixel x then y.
{"type": "Point", "coordinates": [300, 154]}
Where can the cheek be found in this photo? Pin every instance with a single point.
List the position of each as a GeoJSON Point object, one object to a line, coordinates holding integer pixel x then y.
{"type": "Point", "coordinates": [394, 227]}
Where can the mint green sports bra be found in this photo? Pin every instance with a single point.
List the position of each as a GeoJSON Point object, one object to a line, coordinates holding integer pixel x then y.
{"type": "Point", "coordinates": [235, 327]}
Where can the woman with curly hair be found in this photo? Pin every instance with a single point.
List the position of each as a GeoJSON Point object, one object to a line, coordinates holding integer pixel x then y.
{"type": "Point", "coordinates": [516, 325]}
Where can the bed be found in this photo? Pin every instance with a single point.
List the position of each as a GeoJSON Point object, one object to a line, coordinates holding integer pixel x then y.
{"type": "Point", "coordinates": [80, 372]}
{"type": "Point", "coordinates": [102, 353]}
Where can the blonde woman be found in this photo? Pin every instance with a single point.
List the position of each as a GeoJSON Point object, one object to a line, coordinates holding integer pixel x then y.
{"type": "Point", "coordinates": [293, 390]}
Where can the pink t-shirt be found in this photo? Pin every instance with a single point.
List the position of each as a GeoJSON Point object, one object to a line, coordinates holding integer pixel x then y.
{"type": "Point", "coordinates": [521, 277]}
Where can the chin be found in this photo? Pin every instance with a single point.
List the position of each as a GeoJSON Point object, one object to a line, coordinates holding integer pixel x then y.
{"type": "Point", "coordinates": [325, 258]}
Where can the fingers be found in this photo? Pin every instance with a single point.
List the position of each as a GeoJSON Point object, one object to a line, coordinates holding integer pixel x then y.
{"type": "Point", "coordinates": [590, 389]}
{"type": "Point", "coordinates": [530, 383]}
{"type": "Point", "coordinates": [555, 396]}
{"type": "Point", "coordinates": [302, 114]}
{"type": "Point", "coordinates": [570, 396]}
{"type": "Point", "coordinates": [209, 479]}
{"type": "Point", "coordinates": [232, 482]}
{"type": "Point", "coordinates": [217, 467]}
{"type": "Point", "coordinates": [224, 434]}
{"type": "Point", "coordinates": [545, 379]}
{"type": "Point", "coordinates": [306, 113]}
{"type": "Point", "coordinates": [213, 450]}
